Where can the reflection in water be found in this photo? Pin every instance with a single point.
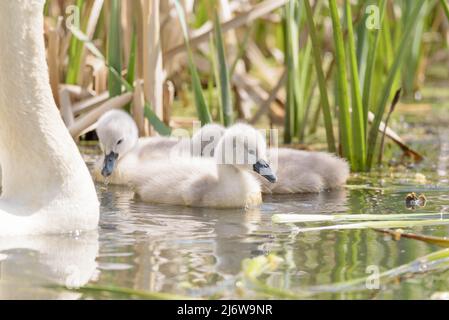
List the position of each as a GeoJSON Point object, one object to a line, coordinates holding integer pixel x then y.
{"type": "Point", "coordinates": [199, 252]}
{"type": "Point", "coordinates": [177, 249]}
{"type": "Point", "coordinates": [29, 264]}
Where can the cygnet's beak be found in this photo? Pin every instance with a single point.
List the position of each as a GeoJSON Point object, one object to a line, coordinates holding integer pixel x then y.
{"type": "Point", "coordinates": [262, 168]}
{"type": "Point", "coordinates": [109, 164]}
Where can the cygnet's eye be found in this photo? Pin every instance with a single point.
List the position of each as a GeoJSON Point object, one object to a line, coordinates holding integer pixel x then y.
{"type": "Point", "coordinates": [120, 141]}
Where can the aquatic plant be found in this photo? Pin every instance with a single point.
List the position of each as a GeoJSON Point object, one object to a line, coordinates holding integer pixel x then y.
{"type": "Point", "coordinates": [271, 62]}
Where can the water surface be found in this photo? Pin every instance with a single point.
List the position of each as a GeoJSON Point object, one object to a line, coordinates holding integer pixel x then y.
{"type": "Point", "coordinates": [199, 252]}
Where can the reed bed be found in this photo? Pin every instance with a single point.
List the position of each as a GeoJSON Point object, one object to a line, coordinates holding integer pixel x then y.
{"type": "Point", "coordinates": [317, 70]}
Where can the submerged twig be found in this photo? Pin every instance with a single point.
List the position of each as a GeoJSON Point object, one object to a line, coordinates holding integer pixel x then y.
{"type": "Point", "coordinates": [399, 233]}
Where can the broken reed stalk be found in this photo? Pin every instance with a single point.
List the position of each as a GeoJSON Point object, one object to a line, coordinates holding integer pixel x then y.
{"type": "Point", "coordinates": [91, 117]}
{"type": "Point", "coordinates": [89, 103]}
{"type": "Point", "coordinates": [264, 108]}
{"type": "Point", "coordinates": [169, 96]}
{"type": "Point", "coordinates": [257, 11]}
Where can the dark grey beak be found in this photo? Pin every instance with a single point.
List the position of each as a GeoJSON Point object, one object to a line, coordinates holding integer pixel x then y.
{"type": "Point", "coordinates": [109, 164]}
{"type": "Point", "coordinates": [262, 168]}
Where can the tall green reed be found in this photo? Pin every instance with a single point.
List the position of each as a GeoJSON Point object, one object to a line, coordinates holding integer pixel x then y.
{"type": "Point", "coordinates": [388, 87]}
{"type": "Point", "coordinates": [291, 53]}
{"type": "Point", "coordinates": [342, 86]}
{"type": "Point", "coordinates": [114, 48]}
{"type": "Point", "coordinates": [224, 83]}
{"type": "Point", "coordinates": [75, 49]}
{"type": "Point", "coordinates": [321, 78]}
{"type": "Point", "coordinates": [359, 138]}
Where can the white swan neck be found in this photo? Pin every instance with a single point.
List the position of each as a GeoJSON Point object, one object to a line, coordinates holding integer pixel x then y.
{"type": "Point", "coordinates": [36, 150]}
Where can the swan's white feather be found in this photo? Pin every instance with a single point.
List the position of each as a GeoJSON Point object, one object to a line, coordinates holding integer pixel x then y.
{"type": "Point", "coordinates": [46, 187]}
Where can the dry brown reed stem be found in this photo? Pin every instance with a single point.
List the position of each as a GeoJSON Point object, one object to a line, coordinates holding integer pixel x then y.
{"type": "Point", "coordinates": [171, 34]}
{"type": "Point", "coordinates": [137, 8]}
{"type": "Point", "coordinates": [252, 88]}
{"type": "Point", "coordinates": [169, 96]}
{"type": "Point", "coordinates": [127, 24]}
{"type": "Point", "coordinates": [77, 92]}
{"type": "Point", "coordinates": [153, 74]}
{"type": "Point", "coordinates": [90, 103]}
{"type": "Point", "coordinates": [94, 16]}
{"type": "Point", "coordinates": [91, 117]}
{"type": "Point", "coordinates": [231, 39]}
{"type": "Point", "coordinates": [99, 72]}
{"type": "Point", "coordinates": [138, 108]}
{"type": "Point", "coordinates": [258, 61]}
{"type": "Point", "coordinates": [257, 11]}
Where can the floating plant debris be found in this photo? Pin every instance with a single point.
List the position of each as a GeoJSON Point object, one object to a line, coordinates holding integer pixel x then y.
{"type": "Point", "coordinates": [412, 201]}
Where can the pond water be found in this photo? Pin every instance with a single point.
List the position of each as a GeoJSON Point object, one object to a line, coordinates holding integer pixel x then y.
{"type": "Point", "coordinates": [199, 252]}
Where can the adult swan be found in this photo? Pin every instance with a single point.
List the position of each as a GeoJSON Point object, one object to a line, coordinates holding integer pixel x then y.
{"type": "Point", "coordinates": [46, 187]}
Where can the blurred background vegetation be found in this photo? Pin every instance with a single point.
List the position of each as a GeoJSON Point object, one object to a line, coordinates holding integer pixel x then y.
{"type": "Point", "coordinates": [326, 73]}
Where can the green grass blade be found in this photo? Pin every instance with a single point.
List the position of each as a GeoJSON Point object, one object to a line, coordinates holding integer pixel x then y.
{"type": "Point", "coordinates": [131, 73]}
{"type": "Point", "coordinates": [223, 76]}
{"type": "Point", "coordinates": [129, 292]}
{"type": "Point", "coordinates": [321, 79]}
{"type": "Point", "coordinates": [445, 6]}
{"type": "Point", "coordinates": [289, 65]}
{"type": "Point", "coordinates": [437, 260]}
{"type": "Point", "coordinates": [216, 80]}
{"type": "Point", "coordinates": [378, 224]}
{"type": "Point", "coordinates": [46, 7]}
{"type": "Point", "coordinates": [75, 51]}
{"type": "Point", "coordinates": [114, 48]}
{"type": "Point", "coordinates": [157, 124]}
{"type": "Point", "coordinates": [302, 218]}
{"type": "Point", "coordinates": [306, 83]}
{"type": "Point", "coordinates": [200, 102]}
{"type": "Point", "coordinates": [80, 36]}
{"type": "Point", "coordinates": [293, 112]}
{"type": "Point", "coordinates": [358, 121]}
{"type": "Point", "coordinates": [414, 56]}
{"type": "Point", "coordinates": [343, 92]}
{"type": "Point", "coordinates": [385, 95]}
